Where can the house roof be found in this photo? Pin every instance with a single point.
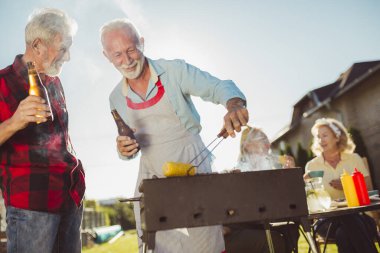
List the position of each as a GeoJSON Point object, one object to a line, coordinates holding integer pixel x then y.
{"type": "Point", "coordinates": [319, 94]}
{"type": "Point", "coordinates": [319, 97]}
{"type": "Point", "coordinates": [357, 70]}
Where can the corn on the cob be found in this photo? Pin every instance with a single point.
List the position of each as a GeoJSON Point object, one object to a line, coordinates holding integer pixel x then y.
{"type": "Point", "coordinates": [172, 169]}
{"type": "Point", "coordinates": [282, 159]}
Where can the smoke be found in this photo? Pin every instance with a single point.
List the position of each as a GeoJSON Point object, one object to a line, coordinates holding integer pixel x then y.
{"type": "Point", "coordinates": [134, 11]}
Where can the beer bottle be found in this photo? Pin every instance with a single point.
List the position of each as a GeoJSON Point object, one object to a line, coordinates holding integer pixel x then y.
{"type": "Point", "coordinates": [37, 88]}
{"type": "Point", "coordinates": [122, 127]}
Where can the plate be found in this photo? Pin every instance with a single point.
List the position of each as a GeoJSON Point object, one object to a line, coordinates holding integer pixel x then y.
{"type": "Point", "coordinates": [373, 193]}
{"type": "Point", "coordinates": [339, 203]}
{"type": "Point", "coordinates": [374, 197]}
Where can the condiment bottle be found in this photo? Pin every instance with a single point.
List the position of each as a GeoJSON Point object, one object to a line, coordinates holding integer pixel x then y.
{"type": "Point", "coordinates": [349, 189]}
{"type": "Point", "coordinates": [122, 127]}
{"type": "Point", "coordinates": [361, 188]}
{"type": "Point", "coordinates": [37, 88]}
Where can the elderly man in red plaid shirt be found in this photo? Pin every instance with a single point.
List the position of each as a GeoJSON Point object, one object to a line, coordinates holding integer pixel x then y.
{"type": "Point", "coordinates": [41, 179]}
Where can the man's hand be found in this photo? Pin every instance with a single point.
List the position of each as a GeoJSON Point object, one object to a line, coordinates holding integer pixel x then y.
{"type": "Point", "coordinates": [287, 161]}
{"type": "Point", "coordinates": [236, 117]}
{"type": "Point", "coordinates": [336, 184]}
{"type": "Point", "coordinates": [31, 109]}
{"type": "Point", "coordinates": [126, 146]}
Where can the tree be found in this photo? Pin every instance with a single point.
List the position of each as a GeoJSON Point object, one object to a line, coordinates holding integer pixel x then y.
{"type": "Point", "coordinates": [358, 140]}
{"type": "Point", "coordinates": [125, 216]}
{"type": "Point", "coordinates": [361, 149]}
{"type": "Point", "coordinates": [89, 203]}
{"type": "Point", "coordinates": [302, 156]}
{"type": "Point", "coordinates": [121, 214]}
{"type": "Point", "coordinates": [288, 150]}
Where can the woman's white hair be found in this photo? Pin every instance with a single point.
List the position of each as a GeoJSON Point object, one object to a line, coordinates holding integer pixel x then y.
{"type": "Point", "coordinates": [47, 23]}
{"type": "Point", "coordinates": [345, 143]}
{"type": "Point", "coordinates": [121, 24]}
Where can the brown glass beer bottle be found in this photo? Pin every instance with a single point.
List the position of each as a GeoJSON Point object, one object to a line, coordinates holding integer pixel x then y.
{"type": "Point", "coordinates": [37, 88]}
{"type": "Point", "coordinates": [122, 127]}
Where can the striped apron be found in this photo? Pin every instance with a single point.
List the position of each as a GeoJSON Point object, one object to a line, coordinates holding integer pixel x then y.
{"type": "Point", "coordinates": [162, 138]}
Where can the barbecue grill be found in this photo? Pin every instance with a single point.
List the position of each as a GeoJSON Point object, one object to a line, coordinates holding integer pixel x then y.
{"type": "Point", "coordinates": [212, 199]}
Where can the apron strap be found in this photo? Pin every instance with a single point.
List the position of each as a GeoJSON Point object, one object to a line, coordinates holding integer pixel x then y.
{"type": "Point", "coordinates": [154, 100]}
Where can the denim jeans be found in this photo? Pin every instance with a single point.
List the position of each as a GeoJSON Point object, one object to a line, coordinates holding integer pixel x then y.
{"type": "Point", "coordinates": [41, 232]}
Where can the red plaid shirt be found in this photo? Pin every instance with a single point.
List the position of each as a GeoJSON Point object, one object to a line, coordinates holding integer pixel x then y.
{"type": "Point", "coordinates": [38, 168]}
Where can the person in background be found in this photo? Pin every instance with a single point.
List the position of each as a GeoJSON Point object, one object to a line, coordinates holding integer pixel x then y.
{"type": "Point", "coordinates": [255, 155]}
{"type": "Point", "coordinates": [334, 152]}
{"type": "Point", "coordinates": [255, 152]}
{"type": "Point", "coordinates": [154, 98]}
{"type": "Point", "coordinates": [41, 179]}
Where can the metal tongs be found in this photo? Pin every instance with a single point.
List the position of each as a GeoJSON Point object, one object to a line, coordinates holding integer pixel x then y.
{"type": "Point", "coordinates": [222, 133]}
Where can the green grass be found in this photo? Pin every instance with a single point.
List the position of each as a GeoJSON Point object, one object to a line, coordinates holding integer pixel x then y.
{"type": "Point", "coordinates": [125, 244]}
{"type": "Point", "coordinates": [128, 244]}
{"type": "Point", "coordinates": [331, 248]}
{"type": "Point", "coordinates": [303, 246]}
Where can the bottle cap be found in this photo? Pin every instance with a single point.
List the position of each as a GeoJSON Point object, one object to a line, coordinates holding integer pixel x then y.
{"type": "Point", "coordinates": [344, 173]}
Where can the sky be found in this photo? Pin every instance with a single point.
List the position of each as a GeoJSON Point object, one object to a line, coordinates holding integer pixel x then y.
{"type": "Point", "coordinates": [275, 51]}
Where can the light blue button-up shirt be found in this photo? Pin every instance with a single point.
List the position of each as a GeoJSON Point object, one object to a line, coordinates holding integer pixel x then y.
{"type": "Point", "coordinates": [181, 81]}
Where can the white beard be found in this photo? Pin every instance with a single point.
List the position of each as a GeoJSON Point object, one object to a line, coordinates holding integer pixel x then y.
{"type": "Point", "coordinates": [54, 69]}
{"type": "Point", "coordinates": [139, 65]}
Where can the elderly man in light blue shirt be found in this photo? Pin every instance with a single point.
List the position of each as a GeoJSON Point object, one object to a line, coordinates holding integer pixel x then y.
{"type": "Point", "coordinates": [154, 98]}
{"type": "Point", "coordinates": [183, 80]}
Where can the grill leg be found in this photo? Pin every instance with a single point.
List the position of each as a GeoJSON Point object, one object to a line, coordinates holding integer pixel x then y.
{"type": "Point", "coordinates": [269, 237]}
{"type": "Point", "coordinates": [145, 249]}
{"type": "Point", "coordinates": [307, 228]}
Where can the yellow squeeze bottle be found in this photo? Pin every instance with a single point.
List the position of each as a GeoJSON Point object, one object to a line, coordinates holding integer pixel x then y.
{"type": "Point", "coordinates": [349, 189]}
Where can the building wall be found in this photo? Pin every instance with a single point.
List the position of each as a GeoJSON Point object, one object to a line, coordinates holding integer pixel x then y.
{"type": "Point", "coordinates": [358, 108]}
{"type": "Point", "coordinates": [301, 133]}
{"type": "Point", "coordinates": [361, 110]}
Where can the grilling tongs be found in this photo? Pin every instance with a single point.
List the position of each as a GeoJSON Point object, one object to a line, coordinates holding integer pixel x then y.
{"type": "Point", "coordinates": [222, 133]}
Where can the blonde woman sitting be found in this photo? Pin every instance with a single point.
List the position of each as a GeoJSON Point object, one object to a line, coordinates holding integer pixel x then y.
{"type": "Point", "coordinates": [334, 149]}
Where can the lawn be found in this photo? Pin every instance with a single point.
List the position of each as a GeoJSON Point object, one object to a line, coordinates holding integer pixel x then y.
{"type": "Point", "coordinates": [128, 244]}
{"type": "Point", "coordinates": [125, 244]}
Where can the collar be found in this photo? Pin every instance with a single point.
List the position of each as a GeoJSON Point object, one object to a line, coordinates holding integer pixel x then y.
{"type": "Point", "coordinates": [20, 67]}
{"type": "Point", "coordinates": [343, 156]}
{"type": "Point", "coordinates": [155, 72]}
{"type": "Point", "coordinates": [21, 70]}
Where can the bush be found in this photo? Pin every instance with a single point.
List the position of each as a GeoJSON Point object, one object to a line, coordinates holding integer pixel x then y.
{"type": "Point", "coordinates": [302, 156]}
{"type": "Point", "coordinates": [358, 140]}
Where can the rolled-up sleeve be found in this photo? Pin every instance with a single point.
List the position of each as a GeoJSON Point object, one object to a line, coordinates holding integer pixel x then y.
{"type": "Point", "coordinates": [202, 84]}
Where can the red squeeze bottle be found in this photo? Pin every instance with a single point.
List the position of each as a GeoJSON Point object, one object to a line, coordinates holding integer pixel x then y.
{"type": "Point", "coordinates": [361, 188]}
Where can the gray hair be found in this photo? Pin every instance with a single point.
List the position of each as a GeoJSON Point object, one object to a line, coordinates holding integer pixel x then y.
{"type": "Point", "coordinates": [47, 23]}
{"type": "Point", "coordinates": [122, 24]}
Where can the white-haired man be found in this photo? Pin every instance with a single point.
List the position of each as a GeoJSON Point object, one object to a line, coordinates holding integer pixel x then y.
{"type": "Point", "coordinates": [153, 97]}
{"type": "Point", "coordinates": [42, 180]}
